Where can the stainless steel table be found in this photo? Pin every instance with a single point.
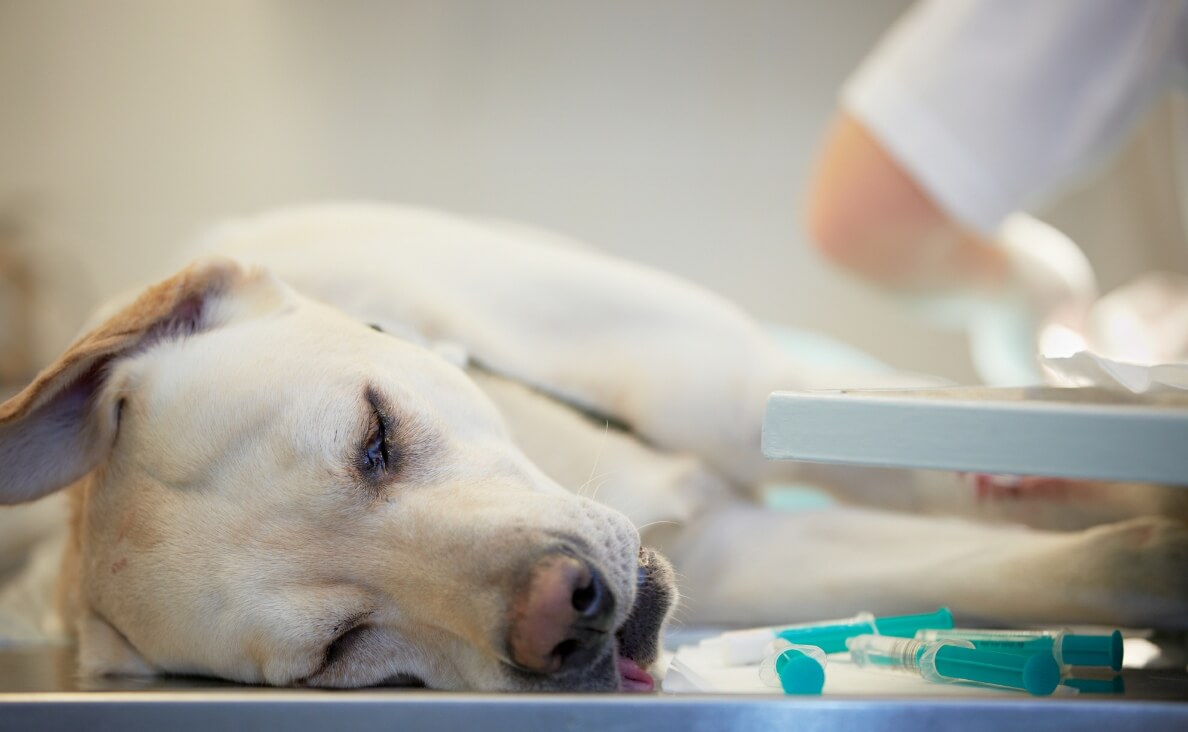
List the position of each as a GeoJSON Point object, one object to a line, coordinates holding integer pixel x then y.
{"type": "Point", "coordinates": [38, 691]}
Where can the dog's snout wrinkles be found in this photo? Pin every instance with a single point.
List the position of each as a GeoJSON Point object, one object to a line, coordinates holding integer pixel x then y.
{"type": "Point", "coordinates": [561, 617]}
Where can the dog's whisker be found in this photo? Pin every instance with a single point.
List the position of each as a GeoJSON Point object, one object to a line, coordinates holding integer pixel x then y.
{"type": "Point", "coordinates": [597, 456]}
{"type": "Point", "coordinates": [657, 523]}
{"type": "Point", "coordinates": [609, 476]}
{"type": "Point", "coordinates": [602, 477]}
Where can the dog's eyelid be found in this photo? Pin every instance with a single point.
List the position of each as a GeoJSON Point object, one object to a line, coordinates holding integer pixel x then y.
{"type": "Point", "coordinates": [347, 623]}
{"type": "Point", "coordinates": [407, 440]}
{"type": "Point", "coordinates": [376, 464]}
{"type": "Point", "coordinates": [332, 647]}
{"type": "Point", "coordinates": [377, 402]}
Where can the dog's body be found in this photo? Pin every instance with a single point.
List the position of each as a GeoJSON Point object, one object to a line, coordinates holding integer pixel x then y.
{"type": "Point", "coordinates": [269, 491]}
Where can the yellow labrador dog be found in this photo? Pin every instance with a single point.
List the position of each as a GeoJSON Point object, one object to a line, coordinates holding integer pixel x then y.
{"type": "Point", "coordinates": [358, 445]}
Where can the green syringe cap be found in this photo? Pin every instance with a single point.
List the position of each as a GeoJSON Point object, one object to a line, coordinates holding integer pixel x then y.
{"type": "Point", "coordinates": [799, 673]}
{"type": "Point", "coordinates": [1092, 650]}
{"type": "Point", "coordinates": [1038, 674]}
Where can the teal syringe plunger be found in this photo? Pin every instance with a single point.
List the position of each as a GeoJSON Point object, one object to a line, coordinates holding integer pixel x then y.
{"type": "Point", "coordinates": [795, 669]}
{"type": "Point", "coordinates": [740, 647]}
{"type": "Point", "coordinates": [832, 638]}
{"type": "Point", "coordinates": [1069, 649]}
{"type": "Point", "coordinates": [946, 661]}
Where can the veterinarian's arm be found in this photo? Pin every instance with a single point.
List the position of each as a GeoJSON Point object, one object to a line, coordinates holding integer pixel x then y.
{"type": "Point", "coordinates": [970, 110]}
{"type": "Point", "coordinates": [868, 215]}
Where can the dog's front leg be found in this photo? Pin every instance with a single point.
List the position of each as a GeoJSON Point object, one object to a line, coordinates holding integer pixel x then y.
{"type": "Point", "coordinates": [746, 565]}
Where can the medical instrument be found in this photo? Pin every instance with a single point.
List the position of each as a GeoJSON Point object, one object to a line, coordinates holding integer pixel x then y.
{"type": "Point", "coordinates": [739, 647]}
{"type": "Point", "coordinates": [794, 668]}
{"type": "Point", "coordinates": [1068, 648]}
{"type": "Point", "coordinates": [946, 661]}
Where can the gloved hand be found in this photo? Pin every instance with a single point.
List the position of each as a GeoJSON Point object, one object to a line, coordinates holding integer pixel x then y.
{"type": "Point", "coordinates": [1051, 283]}
{"type": "Point", "coordinates": [1143, 322]}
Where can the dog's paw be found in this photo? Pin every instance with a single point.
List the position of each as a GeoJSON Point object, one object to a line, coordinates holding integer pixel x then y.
{"type": "Point", "coordinates": [988, 487]}
{"type": "Point", "coordinates": [1134, 572]}
{"type": "Point", "coordinates": [1069, 504]}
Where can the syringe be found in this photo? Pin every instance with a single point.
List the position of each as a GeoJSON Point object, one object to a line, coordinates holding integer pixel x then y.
{"type": "Point", "coordinates": [794, 668]}
{"type": "Point", "coordinates": [946, 661]}
{"type": "Point", "coordinates": [739, 647]}
{"type": "Point", "coordinates": [1068, 648]}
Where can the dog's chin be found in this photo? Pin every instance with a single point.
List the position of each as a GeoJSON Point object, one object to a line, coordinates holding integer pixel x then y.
{"type": "Point", "coordinates": [639, 638]}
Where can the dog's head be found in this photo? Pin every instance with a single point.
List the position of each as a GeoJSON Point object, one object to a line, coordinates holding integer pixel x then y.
{"type": "Point", "coordinates": [272, 492]}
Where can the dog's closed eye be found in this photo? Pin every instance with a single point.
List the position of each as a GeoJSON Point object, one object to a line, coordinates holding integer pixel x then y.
{"type": "Point", "coordinates": [375, 452]}
{"type": "Point", "coordinates": [350, 633]}
{"type": "Point", "coordinates": [389, 445]}
{"type": "Point", "coordinates": [342, 645]}
{"type": "Point", "coordinates": [379, 455]}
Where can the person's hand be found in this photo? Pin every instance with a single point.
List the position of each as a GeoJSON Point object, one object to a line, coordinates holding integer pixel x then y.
{"type": "Point", "coordinates": [1143, 322]}
{"type": "Point", "coordinates": [1049, 281]}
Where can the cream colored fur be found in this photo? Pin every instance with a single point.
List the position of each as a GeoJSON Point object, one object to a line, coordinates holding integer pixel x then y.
{"type": "Point", "coordinates": [218, 531]}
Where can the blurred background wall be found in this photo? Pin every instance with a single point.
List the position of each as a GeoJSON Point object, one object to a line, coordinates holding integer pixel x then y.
{"type": "Point", "coordinates": [674, 132]}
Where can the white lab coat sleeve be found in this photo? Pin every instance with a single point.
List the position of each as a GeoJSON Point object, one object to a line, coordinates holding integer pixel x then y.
{"type": "Point", "coordinates": [992, 105]}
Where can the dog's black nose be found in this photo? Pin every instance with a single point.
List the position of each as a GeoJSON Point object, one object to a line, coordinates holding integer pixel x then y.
{"type": "Point", "coordinates": [562, 616]}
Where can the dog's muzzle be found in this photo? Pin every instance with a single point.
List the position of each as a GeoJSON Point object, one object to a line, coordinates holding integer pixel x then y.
{"type": "Point", "coordinates": [561, 622]}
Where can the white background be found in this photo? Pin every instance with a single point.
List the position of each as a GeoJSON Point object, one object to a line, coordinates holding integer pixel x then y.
{"type": "Point", "coordinates": [678, 132]}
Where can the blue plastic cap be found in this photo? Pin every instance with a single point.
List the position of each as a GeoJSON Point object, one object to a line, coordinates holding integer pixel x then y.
{"type": "Point", "coordinates": [1092, 650]}
{"type": "Point", "coordinates": [1041, 674]}
{"type": "Point", "coordinates": [799, 674]}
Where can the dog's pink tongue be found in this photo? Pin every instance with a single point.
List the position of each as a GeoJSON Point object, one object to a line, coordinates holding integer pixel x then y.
{"type": "Point", "coordinates": [634, 678]}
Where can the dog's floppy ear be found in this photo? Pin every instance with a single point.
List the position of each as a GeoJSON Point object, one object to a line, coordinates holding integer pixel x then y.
{"type": "Point", "coordinates": [54, 431]}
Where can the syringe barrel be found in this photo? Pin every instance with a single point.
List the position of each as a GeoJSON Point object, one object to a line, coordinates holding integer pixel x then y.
{"type": "Point", "coordinates": [899, 655]}
{"type": "Point", "coordinates": [1035, 673]}
{"type": "Point", "coordinates": [1021, 641]}
{"type": "Point", "coordinates": [980, 634]}
{"type": "Point", "coordinates": [741, 647]}
{"type": "Point", "coordinates": [945, 661]}
{"type": "Point", "coordinates": [831, 637]}
{"type": "Point", "coordinates": [1066, 647]}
